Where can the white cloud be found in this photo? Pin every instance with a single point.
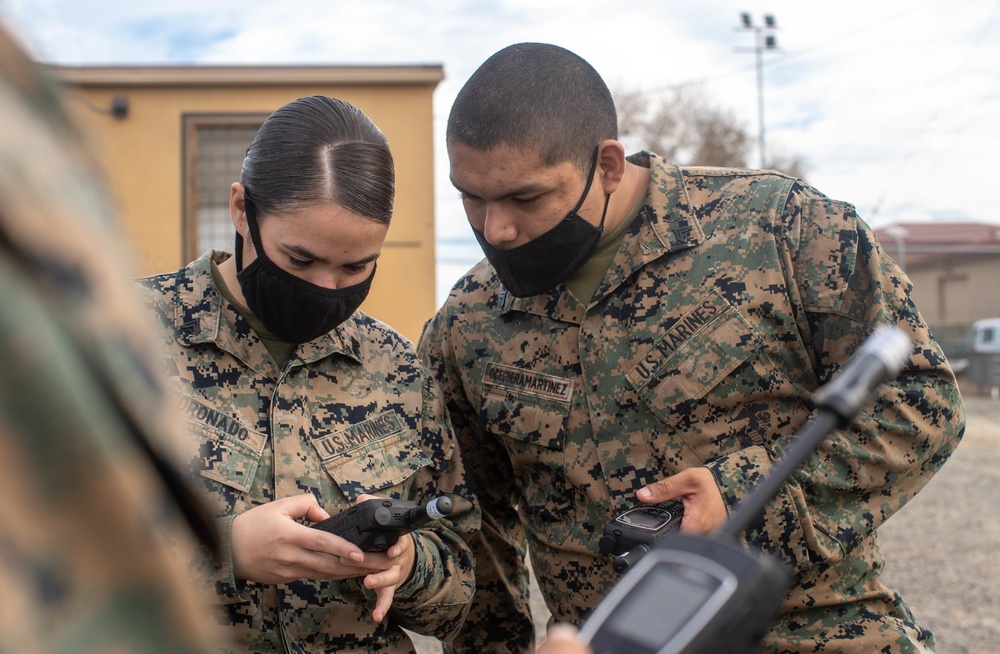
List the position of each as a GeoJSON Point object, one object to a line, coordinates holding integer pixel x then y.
{"type": "Point", "coordinates": [893, 104]}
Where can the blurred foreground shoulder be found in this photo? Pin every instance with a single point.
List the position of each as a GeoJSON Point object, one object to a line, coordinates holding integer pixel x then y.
{"type": "Point", "coordinates": [95, 515]}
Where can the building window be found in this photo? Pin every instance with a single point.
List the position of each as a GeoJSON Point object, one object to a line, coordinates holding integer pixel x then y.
{"type": "Point", "coordinates": [214, 149]}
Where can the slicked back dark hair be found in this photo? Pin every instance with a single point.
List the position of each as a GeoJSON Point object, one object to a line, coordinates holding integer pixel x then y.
{"type": "Point", "coordinates": [537, 97]}
{"type": "Point", "coordinates": [317, 149]}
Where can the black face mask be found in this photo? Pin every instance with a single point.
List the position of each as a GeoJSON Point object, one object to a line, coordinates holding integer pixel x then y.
{"type": "Point", "coordinates": [294, 310]}
{"type": "Point", "coordinates": [548, 260]}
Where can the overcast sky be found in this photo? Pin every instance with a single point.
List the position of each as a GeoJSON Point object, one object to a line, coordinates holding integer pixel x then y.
{"type": "Point", "coordinates": [894, 104]}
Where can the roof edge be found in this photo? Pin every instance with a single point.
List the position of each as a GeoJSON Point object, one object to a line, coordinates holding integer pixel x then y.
{"type": "Point", "coordinates": [197, 75]}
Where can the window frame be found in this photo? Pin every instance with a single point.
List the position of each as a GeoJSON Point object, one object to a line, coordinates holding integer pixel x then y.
{"type": "Point", "coordinates": [190, 124]}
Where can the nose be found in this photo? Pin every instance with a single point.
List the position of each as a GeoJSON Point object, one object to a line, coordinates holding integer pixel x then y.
{"type": "Point", "coordinates": [498, 227]}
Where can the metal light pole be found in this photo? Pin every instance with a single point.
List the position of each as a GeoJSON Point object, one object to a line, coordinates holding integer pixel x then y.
{"type": "Point", "coordinates": [763, 40]}
{"type": "Point", "coordinates": [899, 234]}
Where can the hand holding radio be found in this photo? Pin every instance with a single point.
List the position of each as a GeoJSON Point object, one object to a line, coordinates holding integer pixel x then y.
{"type": "Point", "coordinates": [269, 544]}
{"type": "Point", "coordinates": [704, 508]}
{"type": "Point", "coordinates": [375, 525]}
{"type": "Point", "coordinates": [691, 495]}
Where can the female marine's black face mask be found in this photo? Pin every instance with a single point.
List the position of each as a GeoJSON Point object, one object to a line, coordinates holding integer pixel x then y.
{"type": "Point", "coordinates": [548, 260]}
{"type": "Point", "coordinates": [294, 310]}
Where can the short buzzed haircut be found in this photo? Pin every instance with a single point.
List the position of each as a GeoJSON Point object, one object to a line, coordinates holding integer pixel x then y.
{"type": "Point", "coordinates": [537, 97]}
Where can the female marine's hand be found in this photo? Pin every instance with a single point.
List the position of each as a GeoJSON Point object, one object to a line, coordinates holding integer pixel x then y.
{"type": "Point", "coordinates": [393, 569]}
{"type": "Point", "coordinates": [269, 546]}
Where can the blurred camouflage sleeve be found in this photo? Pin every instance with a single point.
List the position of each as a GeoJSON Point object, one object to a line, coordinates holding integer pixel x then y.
{"type": "Point", "coordinates": [92, 509]}
{"type": "Point", "coordinates": [500, 618]}
{"type": "Point", "coordinates": [72, 472]}
{"type": "Point", "coordinates": [846, 287]}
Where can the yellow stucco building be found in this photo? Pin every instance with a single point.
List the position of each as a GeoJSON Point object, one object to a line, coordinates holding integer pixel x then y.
{"type": "Point", "coordinates": [172, 139]}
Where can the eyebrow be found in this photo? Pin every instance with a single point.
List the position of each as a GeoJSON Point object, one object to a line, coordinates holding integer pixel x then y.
{"type": "Point", "coordinates": [306, 254]}
{"type": "Point", "coordinates": [527, 189]}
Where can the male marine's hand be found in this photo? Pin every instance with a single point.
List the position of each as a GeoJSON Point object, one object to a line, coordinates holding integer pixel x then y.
{"type": "Point", "coordinates": [704, 508]}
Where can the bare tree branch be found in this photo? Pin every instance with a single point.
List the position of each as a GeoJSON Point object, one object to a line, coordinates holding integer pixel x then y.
{"type": "Point", "coordinates": [686, 128]}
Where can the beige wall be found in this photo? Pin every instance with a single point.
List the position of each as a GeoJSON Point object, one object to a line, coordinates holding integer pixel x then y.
{"type": "Point", "coordinates": [964, 291]}
{"type": "Point", "coordinates": [142, 155]}
{"type": "Point", "coordinates": [951, 297]}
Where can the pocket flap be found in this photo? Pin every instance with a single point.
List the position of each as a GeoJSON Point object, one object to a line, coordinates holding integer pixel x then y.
{"type": "Point", "coordinates": [225, 450]}
{"type": "Point", "coordinates": [525, 405]}
{"type": "Point", "coordinates": [372, 455]}
{"type": "Point", "coordinates": [690, 362]}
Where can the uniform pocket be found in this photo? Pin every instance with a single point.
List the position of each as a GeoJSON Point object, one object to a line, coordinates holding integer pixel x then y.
{"type": "Point", "coordinates": [709, 378]}
{"type": "Point", "coordinates": [527, 406]}
{"type": "Point", "coordinates": [529, 412]}
{"type": "Point", "coordinates": [371, 456]}
{"type": "Point", "coordinates": [225, 450]}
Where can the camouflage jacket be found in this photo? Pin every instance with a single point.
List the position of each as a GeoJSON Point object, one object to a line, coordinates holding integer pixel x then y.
{"type": "Point", "coordinates": [94, 516]}
{"type": "Point", "coordinates": [351, 412]}
{"type": "Point", "coordinates": [734, 296]}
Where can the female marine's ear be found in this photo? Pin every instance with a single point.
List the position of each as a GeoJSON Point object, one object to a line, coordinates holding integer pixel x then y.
{"type": "Point", "coordinates": [237, 208]}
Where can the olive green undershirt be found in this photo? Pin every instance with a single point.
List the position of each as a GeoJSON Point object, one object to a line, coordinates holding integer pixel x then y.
{"type": "Point", "coordinates": [584, 282]}
{"type": "Point", "coordinates": [281, 351]}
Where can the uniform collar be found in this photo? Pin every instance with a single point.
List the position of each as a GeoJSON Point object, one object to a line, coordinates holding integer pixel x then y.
{"type": "Point", "coordinates": [203, 315]}
{"type": "Point", "coordinates": [557, 304]}
{"type": "Point", "coordinates": [667, 223]}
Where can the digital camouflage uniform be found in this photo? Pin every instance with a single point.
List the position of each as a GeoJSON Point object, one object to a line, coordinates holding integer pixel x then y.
{"type": "Point", "coordinates": [92, 515]}
{"type": "Point", "coordinates": [734, 296]}
{"type": "Point", "coordinates": [353, 411]}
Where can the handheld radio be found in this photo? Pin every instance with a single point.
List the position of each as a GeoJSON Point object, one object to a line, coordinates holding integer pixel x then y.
{"type": "Point", "coordinates": [705, 595]}
{"type": "Point", "coordinates": [630, 535]}
{"type": "Point", "coordinates": [376, 525]}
